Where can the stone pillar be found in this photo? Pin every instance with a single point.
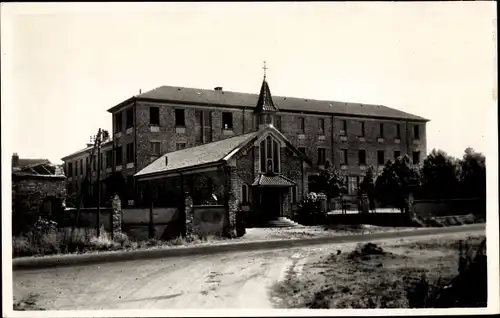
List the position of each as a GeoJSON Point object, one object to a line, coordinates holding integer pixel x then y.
{"type": "Point", "coordinates": [117, 216]}
{"type": "Point", "coordinates": [232, 201]}
{"type": "Point", "coordinates": [188, 208]}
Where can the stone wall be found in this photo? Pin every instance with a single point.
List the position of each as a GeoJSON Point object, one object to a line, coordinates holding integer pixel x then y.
{"type": "Point", "coordinates": [209, 219]}
{"type": "Point", "coordinates": [29, 194]}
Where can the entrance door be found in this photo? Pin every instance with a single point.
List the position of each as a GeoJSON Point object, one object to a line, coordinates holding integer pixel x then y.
{"type": "Point", "coordinates": [271, 203]}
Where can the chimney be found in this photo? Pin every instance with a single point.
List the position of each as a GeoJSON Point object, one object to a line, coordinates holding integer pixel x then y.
{"type": "Point", "coordinates": [15, 160]}
{"type": "Point", "coordinates": [218, 88]}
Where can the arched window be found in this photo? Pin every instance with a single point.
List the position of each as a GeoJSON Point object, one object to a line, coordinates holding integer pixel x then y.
{"type": "Point", "coordinates": [269, 155]}
{"type": "Point", "coordinates": [244, 194]}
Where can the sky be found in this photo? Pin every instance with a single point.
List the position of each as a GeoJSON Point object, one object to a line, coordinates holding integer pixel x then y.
{"type": "Point", "coordinates": [64, 65]}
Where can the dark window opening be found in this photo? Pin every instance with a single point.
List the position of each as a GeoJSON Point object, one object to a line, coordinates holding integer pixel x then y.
{"type": "Point", "coordinates": [294, 194]}
{"type": "Point", "coordinates": [416, 157]}
{"type": "Point", "coordinates": [381, 132]}
{"type": "Point", "coordinates": [154, 116]}
{"type": "Point", "coordinates": [70, 169]}
{"type": "Point", "coordinates": [302, 150]}
{"type": "Point", "coordinates": [118, 122]}
{"type": "Point", "coordinates": [321, 123]}
{"type": "Point", "coordinates": [344, 128]}
{"type": "Point", "coordinates": [416, 131]}
{"type": "Point", "coordinates": [343, 159]}
{"type": "Point", "coordinates": [180, 145]}
{"type": "Point", "coordinates": [180, 119]}
{"type": "Point", "coordinates": [321, 156]}
{"type": "Point", "coordinates": [119, 156]}
{"type": "Point", "coordinates": [81, 166]}
{"type": "Point", "coordinates": [130, 117]}
{"type": "Point", "coordinates": [244, 194]}
{"type": "Point", "coordinates": [398, 131]}
{"type": "Point", "coordinates": [278, 122]}
{"type": "Point", "coordinates": [155, 148]}
{"type": "Point", "coordinates": [362, 129]}
{"type": "Point", "coordinates": [227, 120]}
{"type": "Point", "coordinates": [262, 149]}
{"type": "Point", "coordinates": [380, 157]}
{"type": "Point", "coordinates": [362, 157]}
{"type": "Point", "coordinates": [130, 152]}
{"type": "Point", "coordinates": [302, 124]}
{"type": "Point", "coordinates": [109, 159]}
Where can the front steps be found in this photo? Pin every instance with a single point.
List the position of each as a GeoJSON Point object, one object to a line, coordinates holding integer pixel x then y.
{"type": "Point", "coordinates": [280, 222]}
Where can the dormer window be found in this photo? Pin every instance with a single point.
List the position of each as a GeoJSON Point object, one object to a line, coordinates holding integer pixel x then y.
{"type": "Point", "coordinates": [269, 155]}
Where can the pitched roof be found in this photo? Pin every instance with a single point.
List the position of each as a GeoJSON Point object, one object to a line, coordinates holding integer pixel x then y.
{"type": "Point", "coordinates": [25, 162]}
{"type": "Point", "coordinates": [237, 99]}
{"type": "Point", "coordinates": [194, 156]}
{"type": "Point", "coordinates": [273, 181]}
{"type": "Point", "coordinates": [265, 102]}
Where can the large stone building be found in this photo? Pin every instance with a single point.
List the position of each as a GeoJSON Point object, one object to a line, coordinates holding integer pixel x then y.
{"type": "Point", "coordinates": [348, 136]}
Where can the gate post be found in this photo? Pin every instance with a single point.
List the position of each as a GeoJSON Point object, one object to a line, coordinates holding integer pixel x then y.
{"type": "Point", "coordinates": [188, 208]}
{"type": "Point", "coordinates": [117, 217]}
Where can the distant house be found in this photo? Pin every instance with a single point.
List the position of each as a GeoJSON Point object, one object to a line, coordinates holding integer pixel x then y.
{"type": "Point", "coordinates": [38, 189]}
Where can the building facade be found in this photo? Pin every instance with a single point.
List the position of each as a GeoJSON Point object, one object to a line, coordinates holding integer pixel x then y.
{"type": "Point", "coordinates": [348, 136]}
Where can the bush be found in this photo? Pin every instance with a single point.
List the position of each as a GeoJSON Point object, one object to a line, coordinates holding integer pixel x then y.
{"type": "Point", "coordinates": [309, 210]}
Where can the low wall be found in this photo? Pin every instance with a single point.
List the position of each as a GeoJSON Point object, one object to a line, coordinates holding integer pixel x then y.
{"type": "Point", "coordinates": [135, 221]}
{"type": "Point", "coordinates": [209, 219]}
{"type": "Point", "coordinates": [429, 208]}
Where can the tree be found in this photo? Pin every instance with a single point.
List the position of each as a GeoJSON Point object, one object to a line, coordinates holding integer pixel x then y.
{"type": "Point", "coordinates": [397, 181]}
{"type": "Point", "coordinates": [330, 182]}
{"type": "Point", "coordinates": [473, 174]}
{"type": "Point", "coordinates": [440, 176]}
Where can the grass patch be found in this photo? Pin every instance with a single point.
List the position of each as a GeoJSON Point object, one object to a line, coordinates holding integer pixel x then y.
{"type": "Point", "coordinates": [408, 274]}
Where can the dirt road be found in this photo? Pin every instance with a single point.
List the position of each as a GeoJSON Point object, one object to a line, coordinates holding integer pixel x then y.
{"type": "Point", "coordinates": [231, 280]}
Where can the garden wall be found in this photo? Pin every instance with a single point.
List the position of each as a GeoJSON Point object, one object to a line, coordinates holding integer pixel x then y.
{"type": "Point", "coordinates": [209, 219]}
{"type": "Point", "coordinates": [429, 208]}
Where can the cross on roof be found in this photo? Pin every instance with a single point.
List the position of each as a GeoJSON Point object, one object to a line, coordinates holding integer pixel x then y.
{"type": "Point", "coordinates": [265, 69]}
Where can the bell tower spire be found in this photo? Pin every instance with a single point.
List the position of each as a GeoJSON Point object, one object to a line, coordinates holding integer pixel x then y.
{"type": "Point", "coordinates": [266, 109]}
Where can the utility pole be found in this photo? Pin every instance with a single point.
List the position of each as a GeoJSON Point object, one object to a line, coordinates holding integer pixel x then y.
{"type": "Point", "coordinates": [99, 140]}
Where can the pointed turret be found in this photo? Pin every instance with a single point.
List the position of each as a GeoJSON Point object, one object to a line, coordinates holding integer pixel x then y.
{"type": "Point", "coordinates": [266, 109]}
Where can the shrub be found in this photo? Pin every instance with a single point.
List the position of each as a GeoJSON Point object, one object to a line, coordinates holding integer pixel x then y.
{"type": "Point", "coordinates": [309, 210]}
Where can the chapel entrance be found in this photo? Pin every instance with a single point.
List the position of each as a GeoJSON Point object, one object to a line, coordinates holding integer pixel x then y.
{"type": "Point", "coordinates": [271, 203]}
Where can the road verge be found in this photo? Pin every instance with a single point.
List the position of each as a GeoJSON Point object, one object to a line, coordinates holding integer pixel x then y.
{"type": "Point", "coordinates": [116, 256]}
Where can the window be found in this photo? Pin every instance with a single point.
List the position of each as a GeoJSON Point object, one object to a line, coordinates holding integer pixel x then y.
{"type": "Point", "coordinates": [321, 156]}
{"type": "Point", "coordinates": [244, 194]}
{"type": "Point", "coordinates": [87, 166]}
{"type": "Point", "coordinates": [130, 117]}
{"type": "Point", "coordinates": [362, 157]}
{"type": "Point", "coordinates": [397, 154]}
{"type": "Point", "coordinates": [381, 130]}
{"type": "Point", "coordinates": [180, 120]}
{"type": "Point", "coordinates": [81, 166]}
{"type": "Point", "coordinates": [76, 168]}
{"type": "Point", "coordinates": [180, 145]}
{"type": "Point", "coordinates": [416, 157]}
{"type": "Point", "coordinates": [154, 116]}
{"type": "Point", "coordinates": [302, 150]}
{"type": "Point", "coordinates": [343, 157]}
{"type": "Point", "coordinates": [119, 155]}
{"type": "Point", "coordinates": [380, 157]}
{"type": "Point", "coordinates": [416, 132]}
{"type": "Point", "coordinates": [70, 169]}
{"type": "Point", "coordinates": [344, 128]}
{"type": "Point", "coordinates": [227, 121]}
{"type": "Point", "coordinates": [321, 125]}
{"type": "Point", "coordinates": [118, 122]}
{"type": "Point", "coordinates": [294, 194]}
{"type": "Point", "coordinates": [130, 152]}
{"type": "Point", "coordinates": [362, 129]}
{"type": "Point", "coordinates": [102, 160]}
{"type": "Point", "coordinates": [398, 131]}
{"type": "Point", "coordinates": [302, 124]}
{"type": "Point", "coordinates": [352, 184]}
{"type": "Point", "coordinates": [269, 155]}
{"type": "Point", "coordinates": [155, 148]}
{"type": "Point", "coordinates": [94, 164]}
{"type": "Point", "coordinates": [109, 159]}
{"type": "Point", "coordinates": [278, 122]}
